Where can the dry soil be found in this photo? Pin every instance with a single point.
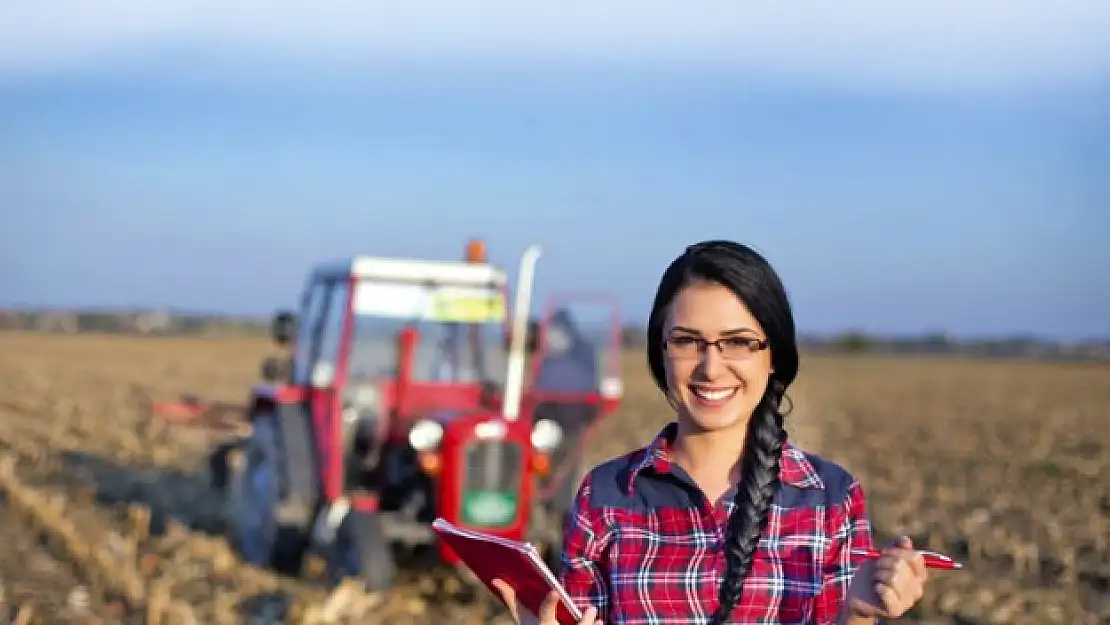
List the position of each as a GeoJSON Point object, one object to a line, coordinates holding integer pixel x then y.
{"type": "Point", "coordinates": [105, 516]}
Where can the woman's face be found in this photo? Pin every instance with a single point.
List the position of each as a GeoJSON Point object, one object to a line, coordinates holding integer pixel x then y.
{"type": "Point", "coordinates": [713, 392]}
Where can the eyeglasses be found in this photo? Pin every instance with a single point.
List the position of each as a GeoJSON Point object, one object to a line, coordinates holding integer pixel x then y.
{"type": "Point", "coordinates": [731, 348]}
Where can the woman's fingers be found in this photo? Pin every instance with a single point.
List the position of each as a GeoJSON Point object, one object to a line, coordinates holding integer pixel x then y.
{"type": "Point", "coordinates": [549, 609]}
{"type": "Point", "coordinates": [508, 595]}
{"type": "Point", "coordinates": [548, 615]}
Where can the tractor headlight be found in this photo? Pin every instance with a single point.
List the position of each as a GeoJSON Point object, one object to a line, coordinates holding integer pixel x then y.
{"type": "Point", "coordinates": [546, 435]}
{"type": "Point", "coordinates": [425, 435]}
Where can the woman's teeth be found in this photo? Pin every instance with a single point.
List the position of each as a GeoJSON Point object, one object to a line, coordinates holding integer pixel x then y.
{"type": "Point", "coordinates": [714, 394]}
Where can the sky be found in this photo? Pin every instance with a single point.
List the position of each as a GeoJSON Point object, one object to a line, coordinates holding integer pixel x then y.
{"type": "Point", "coordinates": [906, 167]}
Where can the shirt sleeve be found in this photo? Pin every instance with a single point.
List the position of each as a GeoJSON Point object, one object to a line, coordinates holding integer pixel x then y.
{"type": "Point", "coordinates": [853, 531]}
{"type": "Point", "coordinates": [583, 570]}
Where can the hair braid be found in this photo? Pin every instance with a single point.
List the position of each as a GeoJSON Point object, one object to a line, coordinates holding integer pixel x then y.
{"type": "Point", "coordinates": [759, 481]}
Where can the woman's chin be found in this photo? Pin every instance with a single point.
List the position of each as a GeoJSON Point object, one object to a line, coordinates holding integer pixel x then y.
{"type": "Point", "coordinates": [715, 419]}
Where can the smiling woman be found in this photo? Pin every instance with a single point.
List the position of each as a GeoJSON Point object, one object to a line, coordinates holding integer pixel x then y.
{"type": "Point", "coordinates": [721, 519]}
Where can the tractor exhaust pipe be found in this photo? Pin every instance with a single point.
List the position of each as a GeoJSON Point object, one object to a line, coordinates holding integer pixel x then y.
{"type": "Point", "coordinates": [514, 377]}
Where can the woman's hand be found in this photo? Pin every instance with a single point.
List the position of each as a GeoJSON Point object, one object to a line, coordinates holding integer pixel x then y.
{"type": "Point", "coordinates": [889, 586]}
{"type": "Point", "coordinates": [547, 615]}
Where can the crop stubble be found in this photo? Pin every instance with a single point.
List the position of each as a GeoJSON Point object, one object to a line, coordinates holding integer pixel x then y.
{"type": "Point", "coordinates": [1003, 465]}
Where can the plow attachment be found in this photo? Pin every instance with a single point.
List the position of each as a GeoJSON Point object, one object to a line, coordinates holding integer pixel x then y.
{"type": "Point", "coordinates": [190, 411]}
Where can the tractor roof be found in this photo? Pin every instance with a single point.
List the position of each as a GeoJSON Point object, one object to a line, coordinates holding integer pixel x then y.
{"type": "Point", "coordinates": [411, 270]}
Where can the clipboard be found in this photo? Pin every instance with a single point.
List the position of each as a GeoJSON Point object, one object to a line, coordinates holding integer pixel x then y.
{"type": "Point", "coordinates": [517, 564]}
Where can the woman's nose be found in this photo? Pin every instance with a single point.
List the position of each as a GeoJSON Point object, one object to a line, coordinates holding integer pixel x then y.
{"type": "Point", "coordinates": [713, 364]}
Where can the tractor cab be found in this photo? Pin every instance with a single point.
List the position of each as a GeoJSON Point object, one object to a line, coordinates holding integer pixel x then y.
{"type": "Point", "coordinates": [385, 344]}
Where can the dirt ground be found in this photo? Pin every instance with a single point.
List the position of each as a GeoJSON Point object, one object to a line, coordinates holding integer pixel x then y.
{"type": "Point", "coordinates": [105, 517]}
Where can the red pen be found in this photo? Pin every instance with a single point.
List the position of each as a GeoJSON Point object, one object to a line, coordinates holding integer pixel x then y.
{"type": "Point", "coordinates": [933, 560]}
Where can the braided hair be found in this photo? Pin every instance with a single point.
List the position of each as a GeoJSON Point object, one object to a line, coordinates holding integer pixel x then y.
{"type": "Point", "coordinates": [752, 279]}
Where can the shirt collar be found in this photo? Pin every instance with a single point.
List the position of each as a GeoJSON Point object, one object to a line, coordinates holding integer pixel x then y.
{"type": "Point", "coordinates": [794, 468]}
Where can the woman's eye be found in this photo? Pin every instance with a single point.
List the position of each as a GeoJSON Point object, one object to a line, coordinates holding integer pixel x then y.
{"type": "Point", "coordinates": [683, 341]}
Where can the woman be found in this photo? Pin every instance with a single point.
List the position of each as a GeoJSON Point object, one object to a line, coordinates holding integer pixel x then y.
{"type": "Point", "coordinates": [720, 519]}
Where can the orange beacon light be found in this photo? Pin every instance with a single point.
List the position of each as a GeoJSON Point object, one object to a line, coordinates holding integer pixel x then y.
{"type": "Point", "coordinates": [476, 251]}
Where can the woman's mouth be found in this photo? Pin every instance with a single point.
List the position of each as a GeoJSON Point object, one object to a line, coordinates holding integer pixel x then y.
{"type": "Point", "coordinates": [710, 396]}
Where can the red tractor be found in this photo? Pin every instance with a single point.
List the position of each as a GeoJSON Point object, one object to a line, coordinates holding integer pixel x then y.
{"type": "Point", "coordinates": [408, 396]}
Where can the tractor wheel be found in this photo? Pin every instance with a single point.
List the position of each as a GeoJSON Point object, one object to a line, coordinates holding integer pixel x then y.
{"type": "Point", "coordinates": [557, 510]}
{"type": "Point", "coordinates": [231, 494]}
{"type": "Point", "coordinates": [363, 550]}
{"type": "Point", "coordinates": [568, 490]}
{"type": "Point", "coordinates": [553, 557]}
{"type": "Point", "coordinates": [253, 496]}
{"type": "Point", "coordinates": [218, 469]}
{"type": "Point", "coordinates": [299, 485]}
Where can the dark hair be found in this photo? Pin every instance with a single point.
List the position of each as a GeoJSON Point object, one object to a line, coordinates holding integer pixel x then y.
{"type": "Point", "coordinates": [747, 274]}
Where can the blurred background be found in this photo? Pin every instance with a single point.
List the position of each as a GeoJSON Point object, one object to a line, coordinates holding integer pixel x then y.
{"type": "Point", "coordinates": [931, 180]}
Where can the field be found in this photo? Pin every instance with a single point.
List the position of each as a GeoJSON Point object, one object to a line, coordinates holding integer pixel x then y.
{"type": "Point", "coordinates": [104, 517]}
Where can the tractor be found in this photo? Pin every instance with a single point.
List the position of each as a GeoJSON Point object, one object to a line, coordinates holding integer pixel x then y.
{"type": "Point", "coordinates": [409, 393]}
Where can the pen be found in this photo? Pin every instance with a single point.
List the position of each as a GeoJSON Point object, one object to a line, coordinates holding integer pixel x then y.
{"type": "Point", "coordinates": [933, 560]}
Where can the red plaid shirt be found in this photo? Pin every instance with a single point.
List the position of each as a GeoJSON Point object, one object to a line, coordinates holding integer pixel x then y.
{"type": "Point", "coordinates": [645, 546]}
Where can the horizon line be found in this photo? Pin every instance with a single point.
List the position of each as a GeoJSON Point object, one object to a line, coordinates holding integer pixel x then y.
{"type": "Point", "coordinates": [803, 335]}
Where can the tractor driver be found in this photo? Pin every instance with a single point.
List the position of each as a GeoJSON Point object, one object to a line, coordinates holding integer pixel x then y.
{"type": "Point", "coordinates": [569, 364]}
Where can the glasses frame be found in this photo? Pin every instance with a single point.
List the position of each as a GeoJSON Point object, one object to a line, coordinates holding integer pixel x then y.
{"type": "Point", "coordinates": [702, 346]}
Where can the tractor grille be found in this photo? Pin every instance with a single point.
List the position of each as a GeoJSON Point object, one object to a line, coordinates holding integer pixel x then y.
{"type": "Point", "coordinates": [491, 482]}
{"type": "Point", "coordinates": [493, 465]}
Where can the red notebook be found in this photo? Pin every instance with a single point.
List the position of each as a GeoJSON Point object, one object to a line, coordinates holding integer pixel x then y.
{"type": "Point", "coordinates": [517, 564]}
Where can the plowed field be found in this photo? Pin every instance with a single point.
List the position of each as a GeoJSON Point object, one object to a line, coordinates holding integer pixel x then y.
{"type": "Point", "coordinates": [105, 518]}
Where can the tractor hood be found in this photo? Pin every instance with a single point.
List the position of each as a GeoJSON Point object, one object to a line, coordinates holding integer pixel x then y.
{"type": "Point", "coordinates": [448, 417]}
{"type": "Point", "coordinates": [483, 424]}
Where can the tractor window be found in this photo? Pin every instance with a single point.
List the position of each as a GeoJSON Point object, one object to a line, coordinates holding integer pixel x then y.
{"type": "Point", "coordinates": [374, 347]}
{"type": "Point", "coordinates": [309, 323]}
{"type": "Point", "coordinates": [332, 332]}
{"type": "Point", "coordinates": [444, 353]}
{"type": "Point", "coordinates": [460, 332]}
{"type": "Point", "coordinates": [461, 353]}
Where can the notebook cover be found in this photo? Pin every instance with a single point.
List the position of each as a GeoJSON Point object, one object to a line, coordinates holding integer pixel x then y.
{"type": "Point", "coordinates": [517, 564]}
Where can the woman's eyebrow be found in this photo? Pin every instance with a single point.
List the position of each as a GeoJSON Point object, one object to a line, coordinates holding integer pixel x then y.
{"type": "Point", "coordinates": [733, 331]}
{"type": "Point", "coordinates": [738, 331]}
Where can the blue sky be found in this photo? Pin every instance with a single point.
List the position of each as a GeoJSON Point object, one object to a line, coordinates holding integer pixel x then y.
{"type": "Point", "coordinates": [930, 167]}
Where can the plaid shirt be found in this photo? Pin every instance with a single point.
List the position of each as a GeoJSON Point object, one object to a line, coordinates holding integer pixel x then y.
{"type": "Point", "coordinates": [645, 546]}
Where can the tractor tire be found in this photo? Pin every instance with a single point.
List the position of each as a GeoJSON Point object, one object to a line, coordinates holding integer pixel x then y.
{"type": "Point", "coordinates": [253, 497]}
{"type": "Point", "coordinates": [300, 486]}
{"type": "Point", "coordinates": [557, 510]}
{"type": "Point", "coordinates": [568, 490]}
{"type": "Point", "coordinates": [231, 494]}
{"type": "Point", "coordinates": [218, 471]}
{"type": "Point", "coordinates": [552, 554]}
{"type": "Point", "coordinates": [363, 551]}
{"type": "Point", "coordinates": [376, 564]}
